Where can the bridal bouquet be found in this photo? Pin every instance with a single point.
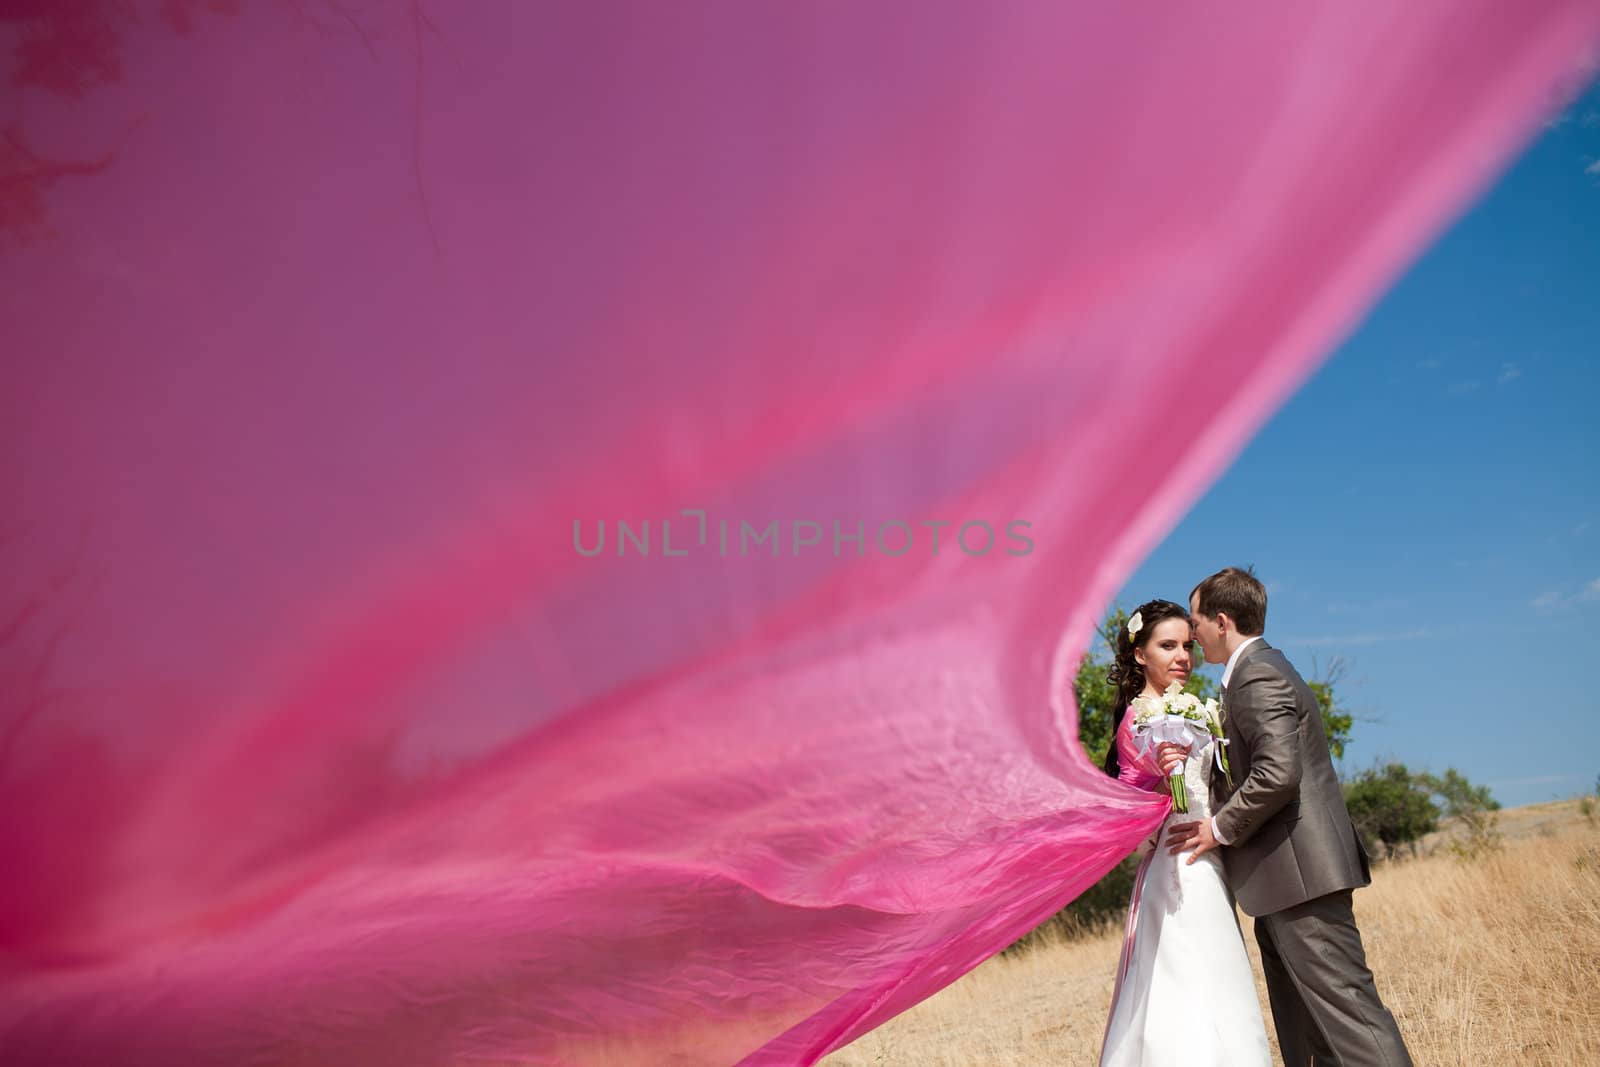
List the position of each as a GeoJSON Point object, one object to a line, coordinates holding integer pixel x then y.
{"type": "Point", "coordinates": [1183, 719]}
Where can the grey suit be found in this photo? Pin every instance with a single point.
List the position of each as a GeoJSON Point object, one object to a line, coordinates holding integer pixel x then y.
{"type": "Point", "coordinates": [1293, 860]}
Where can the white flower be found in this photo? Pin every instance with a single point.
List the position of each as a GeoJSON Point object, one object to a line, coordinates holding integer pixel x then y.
{"type": "Point", "coordinates": [1135, 624]}
{"type": "Point", "coordinates": [1147, 708]}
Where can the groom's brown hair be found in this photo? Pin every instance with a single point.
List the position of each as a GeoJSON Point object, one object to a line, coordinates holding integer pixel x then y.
{"type": "Point", "coordinates": [1238, 594]}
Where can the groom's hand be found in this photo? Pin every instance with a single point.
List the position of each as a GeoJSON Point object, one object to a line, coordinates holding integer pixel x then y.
{"type": "Point", "coordinates": [1187, 836]}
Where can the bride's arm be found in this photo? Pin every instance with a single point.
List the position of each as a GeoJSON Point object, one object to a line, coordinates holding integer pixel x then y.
{"type": "Point", "coordinates": [1137, 770]}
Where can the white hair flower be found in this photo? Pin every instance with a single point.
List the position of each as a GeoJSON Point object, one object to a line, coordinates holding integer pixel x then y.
{"type": "Point", "coordinates": [1135, 624]}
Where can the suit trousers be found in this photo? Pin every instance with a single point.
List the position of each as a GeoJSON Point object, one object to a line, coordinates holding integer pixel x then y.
{"type": "Point", "coordinates": [1325, 1005]}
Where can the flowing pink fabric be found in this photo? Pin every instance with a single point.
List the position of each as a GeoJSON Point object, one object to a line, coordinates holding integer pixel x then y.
{"type": "Point", "coordinates": [323, 742]}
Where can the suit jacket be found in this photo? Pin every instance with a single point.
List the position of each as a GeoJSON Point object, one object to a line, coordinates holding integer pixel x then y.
{"type": "Point", "coordinates": [1290, 836]}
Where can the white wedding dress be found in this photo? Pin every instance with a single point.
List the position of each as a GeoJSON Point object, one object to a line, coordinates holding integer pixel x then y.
{"type": "Point", "coordinates": [1185, 995]}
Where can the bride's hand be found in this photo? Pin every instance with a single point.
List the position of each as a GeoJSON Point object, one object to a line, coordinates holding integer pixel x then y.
{"type": "Point", "coordinates": [1170, 755]}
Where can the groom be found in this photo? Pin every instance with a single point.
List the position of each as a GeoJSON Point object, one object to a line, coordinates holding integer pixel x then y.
{"type": "Point", "coordinates": [1289, 849]}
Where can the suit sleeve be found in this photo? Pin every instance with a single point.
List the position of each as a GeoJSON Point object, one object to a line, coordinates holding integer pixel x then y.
{"type": "Point", "coordinates": [1266, 717]}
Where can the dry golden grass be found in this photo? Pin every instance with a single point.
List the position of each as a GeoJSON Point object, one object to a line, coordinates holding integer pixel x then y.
{"type": "Point", "coordinates": [1489, 961]}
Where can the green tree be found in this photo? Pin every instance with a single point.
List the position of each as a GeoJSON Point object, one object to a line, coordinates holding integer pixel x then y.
{"type": "Point", "coordinates": [1392, 806]}
{"type": "Point", "coordinates": [1472, 809]}
{"type": "Point", "coordinates": [1460, 796]}
{"type": "Point", "coordinates": [1336, 722]}
{"type": "Point", "coordinates": [1094, 693]}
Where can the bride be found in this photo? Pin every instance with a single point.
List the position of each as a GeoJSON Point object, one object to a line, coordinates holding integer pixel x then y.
{"type": "Point", "coordinates": [1184, 992]}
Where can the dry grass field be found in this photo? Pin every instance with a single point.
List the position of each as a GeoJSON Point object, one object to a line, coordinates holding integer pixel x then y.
{"type": "Point", "coordinates": [1494, 960]}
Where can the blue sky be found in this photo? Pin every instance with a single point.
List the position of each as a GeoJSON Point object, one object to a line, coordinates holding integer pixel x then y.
{"type": "Point", "coordinates": [1427, 507]}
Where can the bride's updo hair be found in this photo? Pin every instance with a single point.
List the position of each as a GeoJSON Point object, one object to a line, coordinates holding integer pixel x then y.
{"type": "Point", "coordinates": [1126, 674]}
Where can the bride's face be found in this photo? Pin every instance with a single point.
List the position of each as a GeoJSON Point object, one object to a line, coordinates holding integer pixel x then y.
{"type": "Point", "coordinates": [1166, 656]}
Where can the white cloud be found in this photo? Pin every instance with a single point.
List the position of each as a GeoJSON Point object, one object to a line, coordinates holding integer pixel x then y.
{"type": "Point", "coordinates": [1509, 372]}
{"type": "Point", "coordinates": [1593, 168]}
{"type": "Point", "coordinates": [1577, 531]}
{"type": "Point", "coordinates": [1591, 119]}
{"type": "Point", "coordinates": [1552, 600]}
{"type": "Point", "coordinates": [1371, 638]}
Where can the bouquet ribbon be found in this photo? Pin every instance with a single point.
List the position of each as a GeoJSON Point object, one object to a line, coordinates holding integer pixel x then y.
{"type": "Point", "coordinates": [1178, 730]}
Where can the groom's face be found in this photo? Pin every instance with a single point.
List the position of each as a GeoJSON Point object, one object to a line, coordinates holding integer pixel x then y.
{"type": "Point", "coordinates": [1208, 632]}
